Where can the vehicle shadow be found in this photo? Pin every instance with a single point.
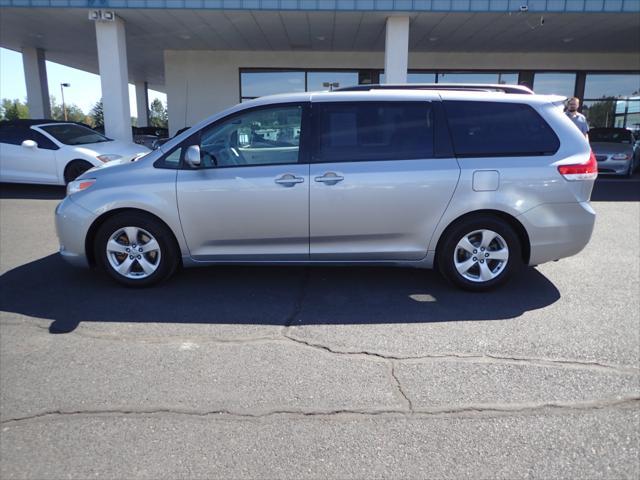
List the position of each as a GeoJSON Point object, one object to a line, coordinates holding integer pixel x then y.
{"type": "Point", "coordinates": [32, 192]}
{"type": "Point", "coordinates": [49, 288]}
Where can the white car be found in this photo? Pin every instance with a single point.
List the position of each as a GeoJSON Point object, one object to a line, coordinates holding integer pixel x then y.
{"type": "Point", "coordinates": [55, 153]}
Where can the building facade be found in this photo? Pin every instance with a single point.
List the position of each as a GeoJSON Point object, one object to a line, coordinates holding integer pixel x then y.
{"type": "Point", "coordinates": [207, 55]}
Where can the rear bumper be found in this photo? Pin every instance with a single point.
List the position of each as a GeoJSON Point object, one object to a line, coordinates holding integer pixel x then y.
{"type": "Point", "coordinates": [72, 225]}
{"type": "Point", "coordinates": [558, 230]}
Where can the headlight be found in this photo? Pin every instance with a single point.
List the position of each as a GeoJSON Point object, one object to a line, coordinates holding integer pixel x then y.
{"type": "Point", "coordinates": [620, 156]}
{"type": "Point", "coordinates": [107, 157]}
{"type": "Point", "coordinates": [79, 185]}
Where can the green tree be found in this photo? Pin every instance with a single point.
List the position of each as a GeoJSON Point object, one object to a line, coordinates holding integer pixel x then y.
{"type": "Point", "coordinates": [13, 109]}
{"type": "Point", "coordinates": [158, 114]}
{"type": "Point", "coordinates": [97, 115]}
{"type": "Point", "coordinates": [74, 113]}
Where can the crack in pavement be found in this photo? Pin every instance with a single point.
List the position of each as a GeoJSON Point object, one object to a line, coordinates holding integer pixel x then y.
{"type": "Point", "coordinates": [463, 410]}
{"type": "Point", "coordinates": [286, 337]}
{"type": "Point", "coordinates": [476, 358]}
{"type": "Point", "coordinates": [399, 386]}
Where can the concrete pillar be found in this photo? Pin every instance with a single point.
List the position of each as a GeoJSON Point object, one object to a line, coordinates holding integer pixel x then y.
{"type": "Point", "coordinates": [142, 103]}
{"type": "Point", "coordinates": [396, 50]}
{"type": "Point", "coordinates": [35, 73]}
{"type": "Point", "coordinates": [114, 78]}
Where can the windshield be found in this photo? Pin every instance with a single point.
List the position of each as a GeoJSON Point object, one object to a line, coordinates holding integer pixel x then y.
{"type": "Point", "coordinates": [71, 134]}
{"type": "Point", "coordinates": [610, 135]}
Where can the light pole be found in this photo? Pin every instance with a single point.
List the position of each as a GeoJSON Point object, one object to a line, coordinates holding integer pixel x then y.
{"type": "Point", "coordinates": [64, 107]}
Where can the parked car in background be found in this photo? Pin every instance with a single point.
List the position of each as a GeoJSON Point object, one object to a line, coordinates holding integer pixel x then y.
{"type": "Point", "coordinates": [617, 150]}
{"type": "Point", "coordinates": [475, 183]}
{"type": "Point", "coordinates": [55, 153]}
{"type": "Point", "coordinates": [147, 136]}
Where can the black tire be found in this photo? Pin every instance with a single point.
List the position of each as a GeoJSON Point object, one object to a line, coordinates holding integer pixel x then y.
{"type": "Point", "coordinates": [448, 253]}
{"type": "Point", "coordinates": [74, 169]}
{"type": "Point", "coordinates": [629, 173]}
{"type": "Point", "coordinates": [164, 259]}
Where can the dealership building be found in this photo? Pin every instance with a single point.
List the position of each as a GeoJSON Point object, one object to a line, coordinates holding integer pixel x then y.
{"type": "Point", "coordinates": [207, 55]}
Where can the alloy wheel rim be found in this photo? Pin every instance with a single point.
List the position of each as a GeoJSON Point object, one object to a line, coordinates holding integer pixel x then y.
{"type": "Point", "coordinates": [133, 252]}
{"type": "Point", "coordinates": [481, 256]}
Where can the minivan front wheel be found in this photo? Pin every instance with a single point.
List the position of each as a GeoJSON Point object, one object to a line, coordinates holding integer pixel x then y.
{"type": "Point", "coordinates": [135, 250]}
{"type": "Point", "coordinates": [480, 253]}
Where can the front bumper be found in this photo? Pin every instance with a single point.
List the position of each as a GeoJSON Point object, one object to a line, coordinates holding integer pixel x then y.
{"type": "Point", "coordinates": [558, 230]}
{"type": "Point", "coordinates": [72, 225]}
{"type": "Point", "coordinates": [613, 167]}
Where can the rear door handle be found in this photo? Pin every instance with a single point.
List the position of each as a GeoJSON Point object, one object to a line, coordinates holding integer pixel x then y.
{"type": "Point", "coordinates": [329, 178]}
{"type": "Point", "coordinates": [289, 180]}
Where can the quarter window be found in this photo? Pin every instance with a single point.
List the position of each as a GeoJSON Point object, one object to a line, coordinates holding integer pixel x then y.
{"type": "Point", "coordinates": [365, 131]}
{"type": "Point", "coordinates": [488, 129]}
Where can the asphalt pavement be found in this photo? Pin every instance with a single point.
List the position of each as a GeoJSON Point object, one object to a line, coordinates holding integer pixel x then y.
{"type": "Point", "coordinates": [269, 372]}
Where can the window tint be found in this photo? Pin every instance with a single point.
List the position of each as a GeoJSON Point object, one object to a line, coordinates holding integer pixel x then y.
{"type": "Point", "coordinates": [486, 129]}
{"type": "Point", "coordinates": [15, 135]}
{"type": "Point", "coordinates": [42, 141]}
{"type": "Point", "coordinates": [365, 131]}
{"type": "Point", "coordinates": [264, 136]}
{"type": "Point", "coordinates": [72, 134]}
{"type": "Point", "coordinates": [610, 135]}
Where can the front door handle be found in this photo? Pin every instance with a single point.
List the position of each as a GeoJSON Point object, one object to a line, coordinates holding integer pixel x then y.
{"type": "Point", "coordinates": [289, 180]}
{"type": "Point", "coordinates": [329, 178]}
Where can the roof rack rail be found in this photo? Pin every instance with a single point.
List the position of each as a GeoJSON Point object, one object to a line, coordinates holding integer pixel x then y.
{"type": "Point", "coordinates": [476, 87]}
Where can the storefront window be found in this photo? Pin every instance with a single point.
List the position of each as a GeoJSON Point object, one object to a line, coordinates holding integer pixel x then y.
{"type": "Point", "coordinates": [258, 84]}
{"type": "Point", "coordinates": [599, 85]}
{"type": "Point", "coordinates": [612, 100]}
{"type": "Point", "coordinates": [419, 77]}
{"type": "Point", "coordinates": [554, 84]}
{"type": "Point", "coordinates": [316, 80]}
{"type": "Point", "coordinates": [482, 77]}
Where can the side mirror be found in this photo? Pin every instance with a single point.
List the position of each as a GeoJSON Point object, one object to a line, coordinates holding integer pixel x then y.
{"type": "Point", "coordinates": [192, 156]}
{"type": "Point", "coordinates": [29, 144]}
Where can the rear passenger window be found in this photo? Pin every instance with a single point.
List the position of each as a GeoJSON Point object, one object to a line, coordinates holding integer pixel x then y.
{"type": "Point", "coordinates": [493, 129]}
{"type": "Point", "coordinates": [362, 131]}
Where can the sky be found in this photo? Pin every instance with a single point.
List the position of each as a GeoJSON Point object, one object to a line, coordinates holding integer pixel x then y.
{"type": "Point", "coordinates": [84, 91]}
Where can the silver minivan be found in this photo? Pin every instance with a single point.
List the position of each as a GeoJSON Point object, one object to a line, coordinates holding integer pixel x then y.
{"type": "Point", "coordinates": [473, 183]}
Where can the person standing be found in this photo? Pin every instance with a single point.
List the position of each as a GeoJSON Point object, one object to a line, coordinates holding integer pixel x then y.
{"type": "Point", "coordinates": [576, 117]}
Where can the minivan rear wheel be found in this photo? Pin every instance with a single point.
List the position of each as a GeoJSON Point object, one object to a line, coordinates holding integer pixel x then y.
{"type": "Point", "coordinates": [479, 253]}
{"type": "Point", "coordinates": [136, 250]}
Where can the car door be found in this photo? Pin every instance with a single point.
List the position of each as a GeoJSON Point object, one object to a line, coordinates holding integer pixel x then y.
{"type": "Point", "coordinates": [378, 184]}
{"type": "Point", "coordinates": [29, 164]}
{"type": "Point", "coordinates": [249, 199]}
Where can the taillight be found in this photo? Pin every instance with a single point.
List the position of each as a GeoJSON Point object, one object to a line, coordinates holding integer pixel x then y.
{"type": "Point", "coordinates": [580, 171]}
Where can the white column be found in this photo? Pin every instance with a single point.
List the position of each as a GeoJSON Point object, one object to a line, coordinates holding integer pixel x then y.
{"type": "Point", "coordinates": [35, 74]}
{"type": "Point", "coordinates": [114, 78]}
{"type": "Point", "coordinates": [396, 50]}
{"type": "Point", "coordinates": [142, 103]}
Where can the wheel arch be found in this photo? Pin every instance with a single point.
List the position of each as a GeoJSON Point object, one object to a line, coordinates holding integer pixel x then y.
{"type": "Point", "coordinates": [523, 236]}
{"type": "Point", "coordinates": [74, 160]}
{"type": "Point", "coordinates": [98, 222]}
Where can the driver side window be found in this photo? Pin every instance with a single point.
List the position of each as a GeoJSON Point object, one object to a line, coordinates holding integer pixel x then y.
{"type": "Point", "coordinates": [265, 136]}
